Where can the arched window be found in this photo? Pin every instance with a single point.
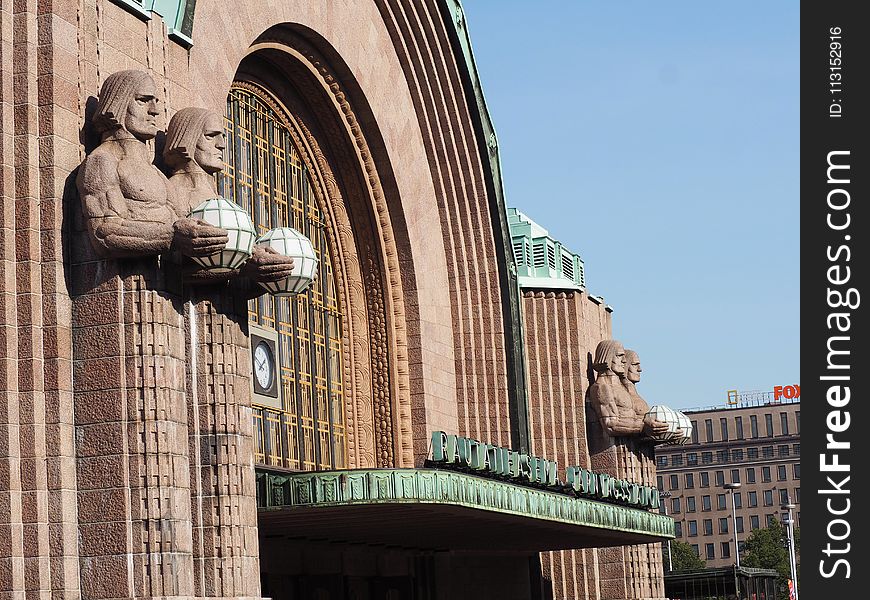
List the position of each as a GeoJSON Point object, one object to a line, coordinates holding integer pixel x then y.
{"type": "Point", "coordinates": [265, 174]}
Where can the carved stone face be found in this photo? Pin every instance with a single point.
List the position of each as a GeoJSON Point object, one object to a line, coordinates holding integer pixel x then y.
{"type": "Point", "coordinates": [633, 369]}
{"type": "Point", "coordinates": [617, 364]}
{"type": "Point", "coordinates": [141, 117]}
{"type": "Point", "coordinates": [209, 153]}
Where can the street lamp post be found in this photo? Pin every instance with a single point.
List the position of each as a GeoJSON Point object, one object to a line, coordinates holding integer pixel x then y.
{"type": "Point", "coordinates": [665, 495]}
{"type": "Point", "coordinates": [731, 487]}
{"type": "Point", "coordinates": [789, 521]}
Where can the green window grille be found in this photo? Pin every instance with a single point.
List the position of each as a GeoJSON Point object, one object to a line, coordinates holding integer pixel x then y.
{"type": "Point", "coordinates": [265, 174]}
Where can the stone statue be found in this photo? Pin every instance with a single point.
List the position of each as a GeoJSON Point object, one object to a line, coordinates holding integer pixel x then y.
{"type": "Point", "coordinates": [126, 200]}
{"type": "Point", "coordinates": [619, 444]}
{"type": "Point", "coordinates": [617, 410]}
{"type": "Point", "coordinates": [218, 371]}
{"type": "Point", "coordinates": [195, 142]}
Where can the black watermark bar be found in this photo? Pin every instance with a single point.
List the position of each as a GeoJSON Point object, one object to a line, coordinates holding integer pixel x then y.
{"type": "Point", "coordinates": [835, 169]}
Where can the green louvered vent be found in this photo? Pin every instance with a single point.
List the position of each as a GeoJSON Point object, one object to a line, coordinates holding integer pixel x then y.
{"type": "Point", "coordinates": [542, 262]}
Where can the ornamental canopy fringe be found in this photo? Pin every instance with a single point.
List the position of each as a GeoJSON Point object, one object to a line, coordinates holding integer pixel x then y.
{"type": "Point", "coordinates": [433, 509]}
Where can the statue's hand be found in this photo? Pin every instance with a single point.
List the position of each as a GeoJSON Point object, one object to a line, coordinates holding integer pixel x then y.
{"type": "Point", "coordinates": [654, 427]}
{"type": "Point", "coordinates": [267, 265]}
{"type": "Point", "coordinates": [194, 237]}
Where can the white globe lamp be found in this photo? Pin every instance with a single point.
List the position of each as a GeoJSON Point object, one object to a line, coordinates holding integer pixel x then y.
{"type": "Point", "coordinates": [289, 242]}
{"type": "Point", "coordinates": [676, 421]}
{"type": "Point", "coordinates": [231, 217]}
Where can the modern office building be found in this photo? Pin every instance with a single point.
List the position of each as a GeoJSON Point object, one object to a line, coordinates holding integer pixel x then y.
{"type": "Point", "coordinates": [754, 443]}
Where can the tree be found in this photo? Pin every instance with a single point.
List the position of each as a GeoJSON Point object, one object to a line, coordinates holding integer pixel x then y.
{"type": "Point", "coordinates": [684, 557]}
{"type": "Point", "coordinates": [768, 549]}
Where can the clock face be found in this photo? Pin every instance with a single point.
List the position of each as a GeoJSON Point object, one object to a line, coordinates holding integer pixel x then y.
{"type": "Point", "coordinates": [264, 367]}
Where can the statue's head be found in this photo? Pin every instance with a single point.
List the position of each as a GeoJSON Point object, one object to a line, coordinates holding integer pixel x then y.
{"type": "Point", "coordinates": [632, 366]}
{"type": "Point", "coordinates": [609, 355]}
{"type": "Point", "coordinates": [128, 100]}
{"type": "Point", "coordinates": [195, 136]}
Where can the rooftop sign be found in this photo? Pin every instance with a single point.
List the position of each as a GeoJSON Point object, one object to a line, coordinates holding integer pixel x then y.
{"type": "Point", "coordinates": [461, 453]}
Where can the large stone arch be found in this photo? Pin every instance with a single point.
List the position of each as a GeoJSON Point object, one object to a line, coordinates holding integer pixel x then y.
{"type": "Point", "coordinates": [369, 128]}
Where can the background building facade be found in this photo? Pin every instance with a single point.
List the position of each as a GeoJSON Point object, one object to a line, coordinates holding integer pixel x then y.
{"type": "Point", "coordinates": [755, 444]}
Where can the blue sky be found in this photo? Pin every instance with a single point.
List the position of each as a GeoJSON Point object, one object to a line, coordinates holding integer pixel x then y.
{"type": "Point", "coordinates": [660, 141]}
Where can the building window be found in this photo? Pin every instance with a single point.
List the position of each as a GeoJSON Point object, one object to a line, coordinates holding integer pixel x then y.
{"type": "Point", "coordinates": [750, 474]}
{"type": "Point", "coordinates": [796, 470]}
{"type": "Point", "coordinates": [738, 422]}
{"type": "Point", "coordinates": [765, 474]}
{"type": "Point", "coordinates": [692, 459]}
{"type": "Point", "coordinates": [767, 451]}
{"type": "Point", "coordinates": [720, 478]}
{"type": "Point", "coordinates": [662, 461]}
{"type": "Point", "coordinates": [735, 475]}
{"type": "Point", "coordinates": [768, 497]}
{"type": "Point", "coordinates": [694, 432]}
{"type": "Point", "coordinates": [783, 423]}
{"type": "Point", "coordinates": [768, 424]}
{"type": "Point", "coordinates": [723, 428]}
{"type": "Point", "coordinates": [726, 549]}
{"type": "Point", "coordinates": [796, 449]}
{"type": "Point", "coordinates": [780, 473]}
{"type": "Point", "coordinates": [783, 451]}
{"type": "Point", "coordinates": [710, 554]}
{"type": "Point", "coordinates": [723, 525]}
{"type": "Point", "coordinates": [783, 497]}
{"type": "Point", "coordinates": [675, 505]}
{"type": "Point", "coordinates": [265, 175]}
{"type": "Point", "coordinates": [705, 503]}
{"type": "Point", "coordinates": [737, 454]}
{"type": "Point", "coordinates": [690, 481]}
{"type": "Point", "coordinates": [695, 548]}
{"type": "Point", "coordinates": [797, 495]}
{"type": "Point", "coordinates": [677, 460]}
{"type": "Point", "coordinates": [752, 453]}
{"type": "Point", "coordinates": [720, 502]}
{"type": "Point", "coordinates": [753, 499]}
{"type": "Point", "coordinates": [693, 528]}
{"type": "Point", "coordinates": [738, 500]}
{"type": "Point", "coordinates": [708, 427]}
{"type": "Point", "coordinates": [675, 482]}
{"type": "Point", "coordinates": [753, 425]}
{"type": "Point", "coordinates": [797, 417]}
{"type": "Point", "coordinates": [660, 482]}
{"type": "Point", "coordinates": [705, 479]}
{"type": "Point", "coordinates": [739, 526]}
{"type": "Point", "coordinates": [708, 526]}
{"type": "Point", "coordinates": [706, 458]}
{"type": "Point", "coordinates": [771, 517]}
{"type": "Point", "coordinates": [690, 504]}
{"type": "Point", "coordinates": [722, 456]}
{"type": "Point", "coordinates": [678, 529]}
{"type": "Point", "coordinates": [753, 522]}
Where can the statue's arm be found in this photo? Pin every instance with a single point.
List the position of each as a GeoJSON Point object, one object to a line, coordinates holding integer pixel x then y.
{"type": "Point", "coordinates": [615, 424]}
{"type": "Point", "coordinates": [106, 212]}
{"type": "Point", "coordinates": [265, 266]}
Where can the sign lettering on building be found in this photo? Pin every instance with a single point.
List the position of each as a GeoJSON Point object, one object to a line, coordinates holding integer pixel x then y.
{"type": "Point", "coordinates": [453, 451]}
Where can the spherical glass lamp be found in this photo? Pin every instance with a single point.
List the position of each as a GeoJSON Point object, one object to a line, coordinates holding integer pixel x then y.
{"type": "Point", "coordinates": [231, 217]}
{"type": "Point", "coordinates": [676, 421]}
{"type": "Point", "coordinates": [289, 242]}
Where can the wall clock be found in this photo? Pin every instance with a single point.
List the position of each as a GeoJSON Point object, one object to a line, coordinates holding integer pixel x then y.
{"type": "Point", "coordinates": [264, 366]}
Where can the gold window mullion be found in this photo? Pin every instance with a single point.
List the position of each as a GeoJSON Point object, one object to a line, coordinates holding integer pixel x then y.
{"type": "Point", "coordinates": [265, 174]}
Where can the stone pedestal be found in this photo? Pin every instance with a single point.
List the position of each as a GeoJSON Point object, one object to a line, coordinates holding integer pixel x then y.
{"type": "Point", "coordinates": [221, 445]}
{"type": "Point", "coordinates": [131, 432]}
{"type": "Point", "coordinates": [626, 572]}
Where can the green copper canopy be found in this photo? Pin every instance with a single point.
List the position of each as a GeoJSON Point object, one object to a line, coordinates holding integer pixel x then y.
{"type": "Point", "coordinates": [437, 509]}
